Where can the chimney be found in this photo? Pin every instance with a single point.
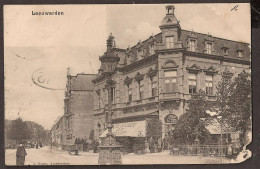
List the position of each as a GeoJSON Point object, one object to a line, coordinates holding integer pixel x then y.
{"type": "Point", "coordinates": [170, 9]}
{"type": "Point", "coordinates": [110, 42]}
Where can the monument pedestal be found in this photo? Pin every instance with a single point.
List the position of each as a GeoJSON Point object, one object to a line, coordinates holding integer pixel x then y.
{"type": "Point", "coordinates": [110, 153]}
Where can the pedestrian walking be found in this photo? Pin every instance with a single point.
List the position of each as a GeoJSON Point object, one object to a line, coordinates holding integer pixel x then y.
{"type": "Point", "coordinates": [147, 150]}
{"type": "Point", "coordinates": [159, 144]}
{"type": "Point", "coordinates": [151, 145]}
{"type": "Point", "coordinates": [166, 142]}
{"type": "Point", "coordinates": [230, 150]}
{"type": "Point", "coordinates": [20, 155]}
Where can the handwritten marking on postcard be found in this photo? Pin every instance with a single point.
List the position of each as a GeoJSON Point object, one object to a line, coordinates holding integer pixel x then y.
{"type": "Point", "coordinates": [235, 8]}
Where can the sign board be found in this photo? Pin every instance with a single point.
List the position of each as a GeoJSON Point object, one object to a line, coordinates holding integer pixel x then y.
{"type": "Point", "coordinates": [131, 129]}
{"type": "Point", "coordinates": [171, 118]}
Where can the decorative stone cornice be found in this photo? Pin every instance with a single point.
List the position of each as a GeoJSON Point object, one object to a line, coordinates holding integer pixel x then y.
{"type": "Point", "coordinates": [110, 83]}
{"type": "Point", "coordinates": [128, 80]}
{"type": "Point", "coordinates": [210, 71]}
{"type": "Point", "coordinates": [138, 77]}
{"type": "Point", "coordinates": [163, 49]}
{"type": "Point", "coordinates": [140, 63]}
{"type": "Point", "coordinates": [227, 73]}
{"type": "Point", "coordinates": [240, 61]}
{"type": "Point", "coordinates": [203, 55]}
{"type": "Point", "coordinates": [151, 72]}
{"type": "Point", "coordinates": [226, 44]}
{"type": "Point", "coordinates": [151, 40]}
{"type": "Point", "coordinates": [170, 64]}
{"type": "Point", "coordinates": [139, 45]}
{"type": "Point", "coordinates": [209, 38]}
{"type": "Point", "coordinates": [192, 35]}
{"type": "Point", "coordinates": [99, 78]}
{"type": "Point", "coordinates": [194, 69]}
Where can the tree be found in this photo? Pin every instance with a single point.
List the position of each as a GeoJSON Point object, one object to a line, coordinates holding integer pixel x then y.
{"type": "Point", "coordinates": [234, 101]}
{"type": "Point", "coordinates": [188, 126]}
{"type": "Point", "coordinates": [223, 94]}
{"type": "Point", "coordinates": [154, 127]}
{"type": "Point", "coordinates": [240, 112]}
{"type": "Point", "coordinates": [18, 130]}
{"type": "Point", "coordinates": [40, 132]}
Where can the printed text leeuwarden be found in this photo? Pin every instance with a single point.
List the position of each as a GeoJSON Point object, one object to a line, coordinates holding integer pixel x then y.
{"type": "Point", "coordinates": [47, 13]}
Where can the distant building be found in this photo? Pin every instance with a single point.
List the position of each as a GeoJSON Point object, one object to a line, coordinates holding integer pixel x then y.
{"type": "Point", "coordinates": [77, 121]}
{"type": "Point", "coordinates": [157, 77]}
{"type": "Point", "coordinates": [58, 132]}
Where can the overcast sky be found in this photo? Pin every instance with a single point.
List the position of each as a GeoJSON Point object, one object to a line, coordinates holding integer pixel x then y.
{"type": "Point", "coordinates": [76, 39]}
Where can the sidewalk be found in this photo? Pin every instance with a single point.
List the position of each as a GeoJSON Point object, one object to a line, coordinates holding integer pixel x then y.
{"type": "Point", "coordinates": [149, 158]}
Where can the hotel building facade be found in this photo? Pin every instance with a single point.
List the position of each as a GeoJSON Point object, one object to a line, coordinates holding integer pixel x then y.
{"type": "Point", "coordinates": [157, 77]}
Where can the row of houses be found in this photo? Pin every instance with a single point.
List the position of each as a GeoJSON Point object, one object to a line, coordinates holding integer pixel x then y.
{"type": "Point", "coordinates": [154, 79]}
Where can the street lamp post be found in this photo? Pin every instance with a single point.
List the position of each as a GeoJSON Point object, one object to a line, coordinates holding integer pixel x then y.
{"type": "Point", "coordinates": [109, 148]}
{"type": "Point", "coordinates": [221, 138]}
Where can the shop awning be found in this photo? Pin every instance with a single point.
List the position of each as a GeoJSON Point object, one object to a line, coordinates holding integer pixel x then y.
{"type": "Point", "coordinates": [131, 129]}
{"type": "Point", "coordinates": [214, 127]}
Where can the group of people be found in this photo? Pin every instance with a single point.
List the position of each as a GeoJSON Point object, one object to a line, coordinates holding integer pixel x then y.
{"type": "Point", "coordinates": [155, 145]}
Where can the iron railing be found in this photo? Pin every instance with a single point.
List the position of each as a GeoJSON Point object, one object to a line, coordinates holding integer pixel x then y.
{"type": "Point", "coordinates": [203, 150]}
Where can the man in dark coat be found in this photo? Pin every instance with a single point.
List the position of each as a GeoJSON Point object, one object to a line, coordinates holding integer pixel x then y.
{"type": "Point", "coordinates": [20, 155]}
{"type": "Point", "coordinates": [151, 145]}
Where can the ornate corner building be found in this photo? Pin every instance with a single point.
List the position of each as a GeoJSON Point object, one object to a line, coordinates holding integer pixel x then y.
{"type": "Point", "coordinates": [77, 120]}
{"type": "Point", "coordinates": [157, 77]}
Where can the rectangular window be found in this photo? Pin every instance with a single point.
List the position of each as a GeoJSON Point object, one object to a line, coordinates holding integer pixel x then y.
{"type": "Point", "coordinates": [192, 45]}
{"type": "Point", "coordinates": [141, 92]}
{"type": "Point", "coordinates": [170, 81]}
{"type": "Point", "coordinates": [170, 85]}
{"type": "Point", "coordinates": [240, 53]}
{"type": "Point", "coordinates": [151, 49]}
{"type": "Point", "coordinates": [112, 94]}
{"type": "Point", "coordinates": [209, 85]}
{"type": "Point", "coordinates": [99, 104]}
{"type": "Point", "coordinates": [208, 48]}
{"type": "Point", "coordinates": [140, 54]}
{"type": "Point", "coordinates": [154, 87]}
{"type": "Point", "coordinates": [141, 89]}
{"type": "Point", "coordinates": [169, 41]}
{"type": "Point", "coordinates": [129, 94]}
{"type": "Point", "coordinates": [192, 83]}
{"type": "Point", "coordinates": [225, 51]}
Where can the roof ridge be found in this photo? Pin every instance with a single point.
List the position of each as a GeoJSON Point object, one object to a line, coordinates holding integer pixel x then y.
{"type": "Point", "coordinates": [145, 40]}
{"type": "Point", "coordinates": [215, 37]}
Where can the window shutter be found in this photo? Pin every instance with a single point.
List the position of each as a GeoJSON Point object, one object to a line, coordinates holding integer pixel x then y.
{"type": "Point", "coordinates": [167, 87]}
{"type": "Point", "coordinates": [174, 87]}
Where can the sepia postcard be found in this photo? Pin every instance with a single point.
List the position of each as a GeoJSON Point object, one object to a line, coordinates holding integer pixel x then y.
{"type": "Point", "coordinates": [127, 84]}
